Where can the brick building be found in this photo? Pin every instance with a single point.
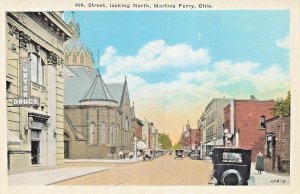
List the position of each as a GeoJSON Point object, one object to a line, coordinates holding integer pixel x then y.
{"type": "Point", "coordinates": [190, 138]}
{"type": "Point", "coordinates": [138, 129]}
{"type": "Point", "coordinates": [277, 153]}
{"type": "Point", "coordinates": [245, 123]}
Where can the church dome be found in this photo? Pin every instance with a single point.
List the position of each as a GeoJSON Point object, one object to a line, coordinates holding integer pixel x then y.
{"type": "Point", "coordinates": [75, 43]}
{"type": "Point", "coordinates": [76, 52]}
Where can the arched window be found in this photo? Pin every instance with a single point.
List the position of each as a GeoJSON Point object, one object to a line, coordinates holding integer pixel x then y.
{"type": "Point", "coordinates": [92, 133]}
{"type": "Point", "coordinates": [103, 133]}
{"type": "Point", "coordinates": [118, 135]}
{"type": "Point", "coordinates": [115, 135]}
{"type": "Point", "coordinates": [67, 58]}
{"type": "Point", "coordinates": [126, 125]}
{"type": "Point", "coordinates": [81, 58]}
{"type": "Point", "coordinates": [74, 58]}
{"type": "Point", "coordinates": [37, 69]}
{"type": "Point", "coordinates": [111, 134]}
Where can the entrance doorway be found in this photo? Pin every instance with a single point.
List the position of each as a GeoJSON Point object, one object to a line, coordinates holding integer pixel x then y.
{"type": "Point", "coordinates": [35, 146]}
{"type": "Point", "coordinates": [66, 146]}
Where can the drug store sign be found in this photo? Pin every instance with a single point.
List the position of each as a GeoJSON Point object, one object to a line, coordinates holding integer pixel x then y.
{"type": "Point", "coordinates": [25, 99]}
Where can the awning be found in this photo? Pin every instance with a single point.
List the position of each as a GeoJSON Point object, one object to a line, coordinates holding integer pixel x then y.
{"type": "Point", "coordinates": [12, 138]}
{"type": "Point", "coordinates": [218, 142]}
{"type": "Point", "coordinates": [140, 145]}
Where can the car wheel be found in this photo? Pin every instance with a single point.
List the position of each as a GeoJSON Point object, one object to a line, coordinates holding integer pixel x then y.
{"type": "Point", "coordinates": [231, 177]}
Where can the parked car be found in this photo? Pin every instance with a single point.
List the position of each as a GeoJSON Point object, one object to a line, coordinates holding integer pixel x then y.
{"type": "Point", "coordinates": [195, 155]}
{"type": "Point", "coordinates": [231, 165]}
{"type": "Point", "coordinates": [178, 154]}
{"type": "Point", "coordinates": [148, 155]}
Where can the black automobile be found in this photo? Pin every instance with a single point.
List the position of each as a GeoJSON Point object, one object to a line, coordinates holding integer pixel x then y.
{"type": "Point", "coordinates": [231, 165]}
{"type": "Point", "coordinates": [178, 154]}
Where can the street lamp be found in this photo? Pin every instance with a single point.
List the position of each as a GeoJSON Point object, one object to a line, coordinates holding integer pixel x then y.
{"type": "Point", "coordinates": [135, 148]}
{"type": "Point", "coordinates": [214, 139]}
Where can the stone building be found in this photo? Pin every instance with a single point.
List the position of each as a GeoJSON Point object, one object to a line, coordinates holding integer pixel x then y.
{"type": "Point", "coordinates": [245, 122]}
{"type": "Point", "coordinates": [98, 116]}
{"type": "Point", "coordinates": [277, 153]}
{"type": "Point", "coordinates": [34, 86]}
{"type": "Point", "coordinates": [212, 120]}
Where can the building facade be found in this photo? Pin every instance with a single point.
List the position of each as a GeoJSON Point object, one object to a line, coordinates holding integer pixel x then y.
{"type": "Point", "coordinates": [34, 85]}
{"type": "Point", "coordinates": [212, 120]}
{"type": "Point", "coordinates": [277, 152]}
{"type": "Point", "coordinates": [138, 129]}
{"type": "Point", "coordinates": [245, 123]}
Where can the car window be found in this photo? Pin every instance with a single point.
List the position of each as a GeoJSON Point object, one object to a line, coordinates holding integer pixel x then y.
{"type": "Point", "coordinates": [232, 157]}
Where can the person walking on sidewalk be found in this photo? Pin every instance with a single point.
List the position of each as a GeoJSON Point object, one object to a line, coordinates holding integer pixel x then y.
{"type": "Point", "coordinates": [120, 154]}
{"type": "Point", "coordinates": [259, 162]}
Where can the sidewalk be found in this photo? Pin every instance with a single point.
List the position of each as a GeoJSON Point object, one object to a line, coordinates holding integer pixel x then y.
{"type": "Point", "coordinates": [117, 161]}
{"type": "Point", "coordinates": [266, 178]}
{"type": "Point", "coordinates": [47, 177]}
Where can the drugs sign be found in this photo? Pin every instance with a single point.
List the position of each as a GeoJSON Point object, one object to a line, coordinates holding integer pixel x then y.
{"type": "Point", "coordinates": [25, 78]}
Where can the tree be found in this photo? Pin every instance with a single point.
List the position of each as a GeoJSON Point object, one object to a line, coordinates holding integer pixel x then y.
{"type": "Point", "coordinates": [177, 145]}
{"type": "Point", "coordinates": [282, 106]}
{"type": "Point", "coordinates": [165, 141]}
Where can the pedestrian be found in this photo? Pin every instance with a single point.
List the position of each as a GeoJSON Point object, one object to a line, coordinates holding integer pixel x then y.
{"type": "Point", "coordinates": [259, 162]}
{"type": "Point", "coordinates": [120, 154]}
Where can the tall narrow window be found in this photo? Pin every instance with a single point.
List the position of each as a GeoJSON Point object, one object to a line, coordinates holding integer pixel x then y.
{"type": "Point", "coordinates": [37, 69]}
{"type": "Point", "coordinates": [115, 135]}
{"type": "Point", "coordinates": [81, 58]}
{"type": "Point", "coordinates": [74, 58]}
{"type": "Point", "coordinates": [111, 134]}
{"type": "Point", "coordinates": [67, 58]}
{"type": "Point", "coordinates": [92, 132]}
{"type": "Point", "coordinates": [262, 122]}
{"type": "Point", "coordinates": [103, 133]}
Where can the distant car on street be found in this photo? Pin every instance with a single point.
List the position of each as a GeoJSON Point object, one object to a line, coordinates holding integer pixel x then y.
{"type": "Point", "coordinates": [231, 165]}
{"type": "Point", "coordinates": [178, 154]}
{"type": "Point", "coordinates": [195, 155]}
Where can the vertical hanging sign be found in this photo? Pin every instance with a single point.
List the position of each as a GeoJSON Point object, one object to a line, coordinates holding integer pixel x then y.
{"type": "Point", "coordinates": [25, 78]}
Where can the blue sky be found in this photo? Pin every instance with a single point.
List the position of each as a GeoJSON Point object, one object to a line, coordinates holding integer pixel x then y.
{"type": "Point", "coordinates": [186, 58]}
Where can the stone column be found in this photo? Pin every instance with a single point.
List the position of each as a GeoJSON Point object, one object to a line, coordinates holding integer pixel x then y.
{"type": "Point", "coordinates": [52, 62]}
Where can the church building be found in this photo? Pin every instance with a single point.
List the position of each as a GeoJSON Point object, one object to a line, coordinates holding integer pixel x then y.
{"type": "Point", "coordinates": [98, 116]}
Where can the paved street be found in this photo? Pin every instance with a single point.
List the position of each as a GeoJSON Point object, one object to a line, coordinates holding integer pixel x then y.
{"type": "Point", "coordinates": [161, 171]}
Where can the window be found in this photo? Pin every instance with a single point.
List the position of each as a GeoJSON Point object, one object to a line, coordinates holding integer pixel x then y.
{"type": "Point", "coordinates": [81, 58]}
{"type": "Point", "coordinates": [232, 157]}
{"type": "Point", "coordinates": [126, 125]}
{"type": "Point", "coordinates": [103, 133]}
{"type": "Point", "coordinates": [37, 69]}
{"type": "Point", "coordinates": [66, 58]}
{"type": "Point", "coordinates": [74, 58]}
{"type": "Point", "coordinates": [262, 122]}
{"type": "Point", "coordinates": [92, 133]}
{"type": "Point", "coordinates": [111, 134]}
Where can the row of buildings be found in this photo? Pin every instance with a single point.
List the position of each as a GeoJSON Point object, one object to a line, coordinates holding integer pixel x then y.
{"type": "Point", "coordinates": [58, 105]}
{"type": "Point", "coordinates": [248, 124]}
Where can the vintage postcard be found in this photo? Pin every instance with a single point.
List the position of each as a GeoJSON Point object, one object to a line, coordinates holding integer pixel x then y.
{"type": "Point", "coordinates": [149, 96]}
